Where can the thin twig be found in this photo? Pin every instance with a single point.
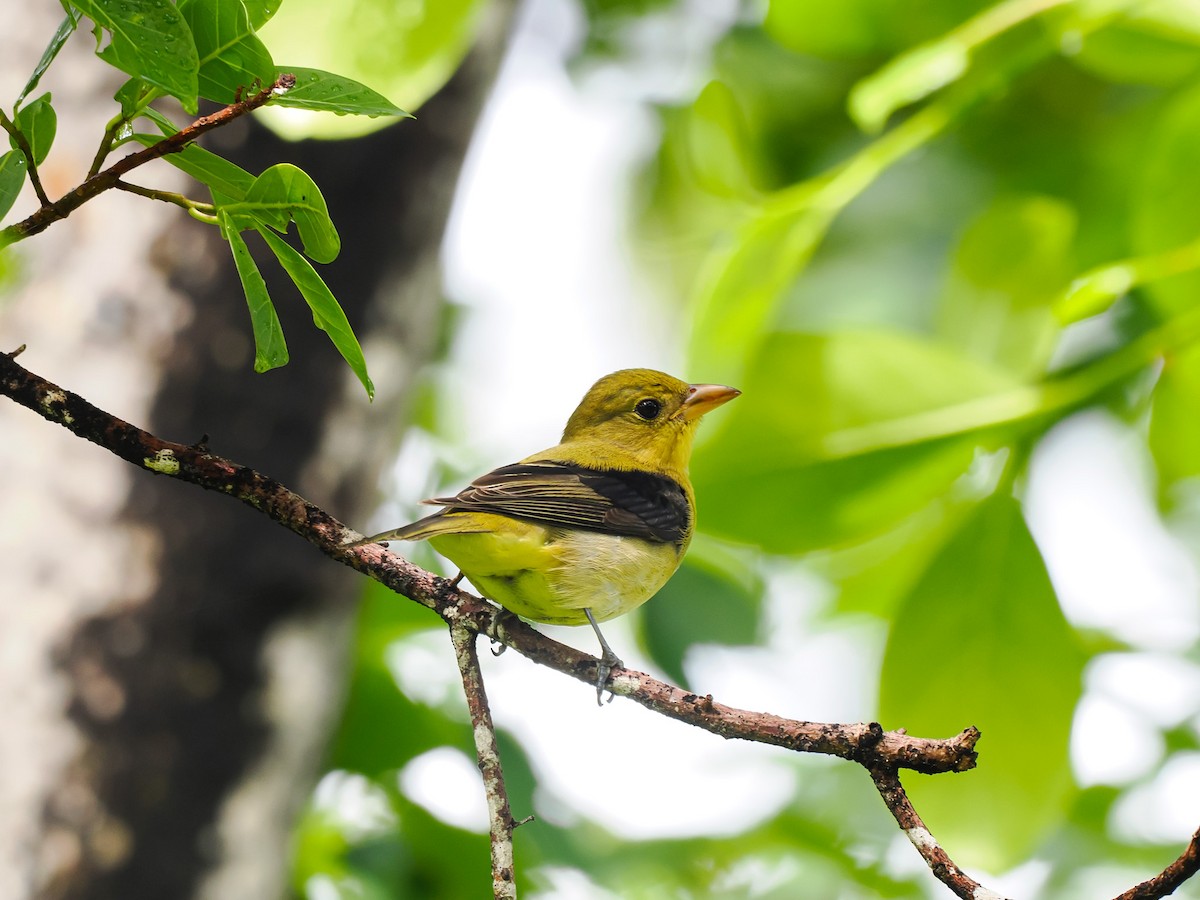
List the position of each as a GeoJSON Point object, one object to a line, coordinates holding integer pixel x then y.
{"type": "Point", "coordinates": [108, 179]}
{"type": "Point", "coordinates": [887, 782]}
{"type": "Point", "coordinates": [881, 752]}
{"type": "Point", "coordinates": [1164, 883]}
{"type": "Point", "coordinates": [500, 820]}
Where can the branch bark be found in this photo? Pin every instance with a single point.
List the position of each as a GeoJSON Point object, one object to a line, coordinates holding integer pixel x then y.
{"type": "Point", "coordinates": [487, 753]}
{"type": "Point", "coordinates": [882, 753]}
{"type": "Point", "coordinates": [1165, 882]}
{"type": "Point", "coordinates": [887, 782]}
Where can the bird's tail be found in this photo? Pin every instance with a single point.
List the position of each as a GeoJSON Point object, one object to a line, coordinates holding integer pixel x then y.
{"type": "Point", "coordinates": [442, 522]}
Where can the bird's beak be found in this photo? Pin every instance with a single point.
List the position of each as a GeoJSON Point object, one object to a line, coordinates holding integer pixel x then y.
{"type": "Point", "coordinates": [703, 397]}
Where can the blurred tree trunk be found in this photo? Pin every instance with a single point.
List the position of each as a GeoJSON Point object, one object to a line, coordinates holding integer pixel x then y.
{"type": "Point", "coordinates": [196, 649]}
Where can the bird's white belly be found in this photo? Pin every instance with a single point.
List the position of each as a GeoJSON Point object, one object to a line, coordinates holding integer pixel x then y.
{"type": "Point", "coordinates": [551, 574]}
{"type": "Point", "coordinates": [609, 574]}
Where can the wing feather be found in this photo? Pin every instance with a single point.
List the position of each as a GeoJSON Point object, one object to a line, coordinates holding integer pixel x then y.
{"type": "Point", "coordinates": [638, 504]}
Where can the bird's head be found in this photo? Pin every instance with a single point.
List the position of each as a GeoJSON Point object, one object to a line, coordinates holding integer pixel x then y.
{"type": "Point", "coordinates": [643, 416]}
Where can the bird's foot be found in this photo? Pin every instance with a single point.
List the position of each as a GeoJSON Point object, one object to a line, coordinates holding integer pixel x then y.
{"type": "Point", "coordinates": [498, 645]}
{"type": "Point", "coordinates": [608, 662]}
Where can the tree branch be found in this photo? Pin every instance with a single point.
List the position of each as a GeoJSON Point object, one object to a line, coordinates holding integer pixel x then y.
{"type": "Point", "coordinates": [487, 753]}
{"type": "Point", "coordinates": [50, 213]}
{"type": "Point", "coordinates": [887, 782]}
{"type": "Point", "coordinates": [882, 753]}
{"type": "Point", "coordinates": [1164, 883]}
{"type": "Point", "coordinates": [867, 743]}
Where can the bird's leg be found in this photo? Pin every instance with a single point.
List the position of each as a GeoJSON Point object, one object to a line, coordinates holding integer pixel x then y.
{"type": "Point", "coordinates": [448, 586]}
{"type": "Point", "coordinates": [503, 616]}
{"type": "Point", "coordinates": [608, 660]}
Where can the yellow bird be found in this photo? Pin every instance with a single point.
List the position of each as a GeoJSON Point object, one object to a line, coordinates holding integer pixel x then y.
{"type": "Point", "coordinates": [591, 528]}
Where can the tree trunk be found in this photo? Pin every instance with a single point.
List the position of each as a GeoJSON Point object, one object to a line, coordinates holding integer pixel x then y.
{"type": "Point", "coordinates": [196, 650]}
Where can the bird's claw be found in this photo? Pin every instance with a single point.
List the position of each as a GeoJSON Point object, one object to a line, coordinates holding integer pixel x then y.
{"type": "Point", "coordinates": [502, 616]}
{"type": "Point", "coordinates": [604, 667]}
{"type": "Point", "coordinates": [608, 660]}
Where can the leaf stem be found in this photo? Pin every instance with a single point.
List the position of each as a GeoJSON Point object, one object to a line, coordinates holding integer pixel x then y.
{"type": "Point", "coordinates": [106, 145]}
{"type": "Point", "coordinates": [23, 146]}
{"type": "Point", "coordinates": [167, 197]}
{"type": "Point", "coordinates": [146, 96]}
{"type": "Point", "coordinates": [204, 217]}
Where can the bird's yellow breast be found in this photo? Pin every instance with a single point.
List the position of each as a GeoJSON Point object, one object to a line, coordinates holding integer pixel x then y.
{"type": "Point", "coordinates": [550, 574]}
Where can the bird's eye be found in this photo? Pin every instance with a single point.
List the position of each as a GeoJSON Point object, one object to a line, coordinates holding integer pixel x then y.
{"type": "Point", "coordinates": [648, 409]}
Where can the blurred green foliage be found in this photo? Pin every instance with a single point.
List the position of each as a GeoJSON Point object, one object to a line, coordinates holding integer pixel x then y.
{"type": "Point", "coordinates": [407, 51]}
{"type": "Point", "coordinates": [919, 237]}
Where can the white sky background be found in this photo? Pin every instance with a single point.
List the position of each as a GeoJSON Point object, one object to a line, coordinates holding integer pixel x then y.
{"type": "Point", "coordinates": [537, 253]}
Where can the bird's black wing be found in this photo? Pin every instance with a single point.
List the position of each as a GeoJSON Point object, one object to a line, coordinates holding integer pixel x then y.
{"type": "Point", "coordinates": [638, 504]}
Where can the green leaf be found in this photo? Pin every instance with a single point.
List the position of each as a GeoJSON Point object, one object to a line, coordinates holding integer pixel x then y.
{"type": "Point", "coordinates": [906, 79]}
{"type": "Point", "coordinates": [165, 125]}
{"type": "Point", "coordinates": [744, 282]}
{"type": "Point", "coordinates": [232, 58]}
{"type": "Point", "coordinates": [150, 41]}
{"type": "Point", "coordinates": [270, 348]}
{"type": "Point", "coordinates": [38, 123]}
{"type": "Point", "coordinates": [281, 194]}
{"type": "Point", "coordinates": [800, 462]}
{"type": "Point", "coordinates": [711, 599]}
{"type": "Point", "coordinates": [1152, 43]}
{"type": "Point", "coordinates": [928, 67]}
{"type": "Point", "coordinates": [12, 178]}
{"type": "Point", "coordinates": [131, 95]}
{"type": "Point", "coordinates": [1011, 263]}
{"type": "Point", "coordinates": [1096, 290]}
{"type": "Point", "coordinates": [220, 175]}
{"type": "Point", "coordinates": [848, 28]}
{"type": "Point", "coordinates": [873, 576]}
{"type": "Point", "coordinates": [327, 314]}
{"type": "Point", "coordinates": [65, 29]}
{"type": "Point", "coordinates": [326, 92]}
{"type": "Point", "coordinates": [1165, 215]}
{"type": "Point", "coordinates": [405, 52]}
{"type": "Point", "coordinates": [285, 193]}
{"type": "Point", "coordinates": [740, 286]}
{"type": "Point", "coordinates": [981, 641]}
{"type": "Point", "coordinates": [717, 143]}
{"type": "Point", "coordinates": [1174, 423]}
{"type": "Point", "coordinates": [261, 11]}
